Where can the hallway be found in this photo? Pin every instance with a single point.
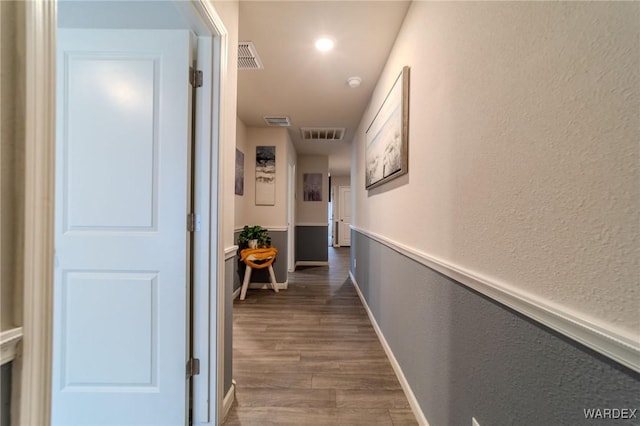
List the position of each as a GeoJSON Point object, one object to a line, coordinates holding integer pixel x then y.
{"type": "Point", "coordinates": [309, 355]}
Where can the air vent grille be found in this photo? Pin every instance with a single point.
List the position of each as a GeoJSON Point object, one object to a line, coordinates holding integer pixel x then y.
{"type": "Point", "coordinates": [248, 58]}
{"type": "Point", "coordinates": [322, 133]}
{"type": "Point", "coordinates": [276, 121]}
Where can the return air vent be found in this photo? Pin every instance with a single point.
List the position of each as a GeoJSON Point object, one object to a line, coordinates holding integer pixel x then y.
{"type": "Point", "coordinates": [248, 58]}
{"type": "Point", "coordinates": [322, 133]}
{"type": "Point", "coordinates": [277, 121]}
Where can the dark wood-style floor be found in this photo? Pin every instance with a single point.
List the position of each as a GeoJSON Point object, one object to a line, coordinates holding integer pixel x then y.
{"type": "Point", "coordinates": [309, 356]}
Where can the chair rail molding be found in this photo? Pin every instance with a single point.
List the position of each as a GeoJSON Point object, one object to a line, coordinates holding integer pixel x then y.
{"type": "Point", "coordinates": [9, 340]}
{"type": "Point", "coordinates": [599, 337]}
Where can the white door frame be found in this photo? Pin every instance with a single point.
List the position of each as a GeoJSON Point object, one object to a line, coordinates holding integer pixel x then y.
{"type": "Point", "coordinates": [291, 217]}
{"type": "Point", "coordinates": [341, 203]}
{"type": "Point", "coordinates": [34, 405]}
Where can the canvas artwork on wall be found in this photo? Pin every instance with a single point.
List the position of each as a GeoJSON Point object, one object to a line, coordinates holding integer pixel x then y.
{"type": "Point", "coordinates": [387, 137]}
{"type": "Point", "coordinates": [265, 175]}
{"type": "Point", "coordinates": [239, 186]}
{"type": "Point", "coordinates": [312, 186]}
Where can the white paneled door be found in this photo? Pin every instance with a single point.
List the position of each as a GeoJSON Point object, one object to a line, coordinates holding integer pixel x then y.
{"type": "Point", "coordinates": [120, 293]}
{"type": "Point", "coordinates": [344, 232]}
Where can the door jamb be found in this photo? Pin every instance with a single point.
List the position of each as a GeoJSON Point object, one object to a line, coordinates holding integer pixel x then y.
{"type": "Point", "coordinates": [34, 405]}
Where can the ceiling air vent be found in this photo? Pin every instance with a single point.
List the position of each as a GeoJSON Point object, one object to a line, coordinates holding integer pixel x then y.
{"type": "Point", "coordinates": [322, 133]}
{"type": "Point", "coordinates": [248, 58]}
{"type": "Point", "coordinates": [277, 121]}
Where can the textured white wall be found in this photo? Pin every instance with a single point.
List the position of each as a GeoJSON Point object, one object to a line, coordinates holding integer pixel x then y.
{"type": "Point", "coordinates": [524, 153]}
{"type": "Point", "coordinates": [12, 146]}
{"type": "Point", "coordinates": [228, 12]}
{"type": "Point", "coordinates": [241, 144]}
{"type": "Point", "coordinates": [267, 216]}
{"type": "Point", "coordinates": [312, 212]}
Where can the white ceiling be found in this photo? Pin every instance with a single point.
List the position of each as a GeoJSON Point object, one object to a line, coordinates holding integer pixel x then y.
{"type": "Point", "coordinates": [308, 86]}
{"type": "Point", "coordinates": [297, 81]}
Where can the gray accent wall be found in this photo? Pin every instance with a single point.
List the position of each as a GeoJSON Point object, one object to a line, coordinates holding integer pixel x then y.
{"type": "Point", "coordinates": [5, 394]}
{"type": "Point", "coordinates": [280, 240]}
{"type": "Point", "coordinates": [229, 274]}
{"type": "Point", "coordinates": [466, 355]}
{"type": "Point", "coordinates": [312, 243]}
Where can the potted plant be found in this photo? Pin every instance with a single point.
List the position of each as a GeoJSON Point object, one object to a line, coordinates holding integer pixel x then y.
{"type": "Point", "coordinates": [254, 237]}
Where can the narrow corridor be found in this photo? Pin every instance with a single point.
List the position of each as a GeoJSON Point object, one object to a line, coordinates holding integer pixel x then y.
{"type": "Point", "coordinates": [309, 356]}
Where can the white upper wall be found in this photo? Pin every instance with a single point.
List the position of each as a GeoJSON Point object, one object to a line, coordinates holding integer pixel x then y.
{"type": "Point", "coordinates": [523, 158]}
{"type": "Point", "coordinates": [312, 213]}
{"type": "Point", "coordinates": [12, 154]}
{"type": "Point", "coordinates": [228, 12]}
{"type": "Point", "coordinates": [241, 144]}
{"type": "Point", "coordinates": [247, 213]}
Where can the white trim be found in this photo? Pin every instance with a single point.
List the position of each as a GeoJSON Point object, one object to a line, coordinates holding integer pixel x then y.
{"type": "Point", "coordinates": [9, 340]}
{"type": "Point", "coordinates": [413, 401]}
{"type": "Point", "coordinates": [227, 403]}
{"type": "Point", "coordinates": [204, 268]}
{"type": "Point", "coordinates": [40, 81]}
{"type": "Point", "coordinates": [268, 228]}
{"type": "Point", "coordinates": [599, 337]}
{"type": "Point", "coordinates": [311, 263]}
{"type": "Point", "coordinates": [217, 294]}
{"type": "Point", "coordinates": [218, 287]}
{"type": "Point", "coordinates": [230, 252]}
{"type": "Point", "coordinates": [313, 224]}
{"type": "Point", "coordinates": [236, 292]}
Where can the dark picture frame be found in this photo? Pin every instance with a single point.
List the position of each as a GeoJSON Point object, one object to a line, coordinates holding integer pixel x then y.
{"type": "Point", "coordinates": [239, 181]}
{"type": "Point", "coordinates": [387, 137]}
{"type": "Point", "coordinates": [312, 186]}
{"type": "Point", "coordinates": [265, 175]}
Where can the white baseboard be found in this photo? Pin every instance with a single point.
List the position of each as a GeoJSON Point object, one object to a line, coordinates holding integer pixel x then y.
{"type": "Point", "coordinates": [261, 286]}
{"type": "Point", "coordinates": [227, 402]}
{"type": "Point", "coordinates": [311, 263]}
{"type": "Point", "coordinates": [413, 402]}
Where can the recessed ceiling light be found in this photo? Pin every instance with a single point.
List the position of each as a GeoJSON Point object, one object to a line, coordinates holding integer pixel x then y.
{"type": "Point", "coordinates": [324, 44]}
{"type": "Point", "coordinates": [354, 81]}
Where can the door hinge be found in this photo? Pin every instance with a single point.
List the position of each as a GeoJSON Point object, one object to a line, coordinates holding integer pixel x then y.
{"type": "Point", "coordinates": [195, 77]}
{"type": "Point", "coordinates": [193, 367]}
{"type": "Point", "coordinates": [193, 222]}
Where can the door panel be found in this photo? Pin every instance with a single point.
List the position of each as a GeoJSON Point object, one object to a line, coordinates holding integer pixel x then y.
{"type": "Point", "coordinates": [344, 233]}
{"type": "Point", "coordinates": [120, 291]}
{"type": "Point", "coordinates": [115, 125]}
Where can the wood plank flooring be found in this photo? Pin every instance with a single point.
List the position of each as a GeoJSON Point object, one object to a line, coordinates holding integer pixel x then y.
{"type": "Point", "coordinates": [309, 356]}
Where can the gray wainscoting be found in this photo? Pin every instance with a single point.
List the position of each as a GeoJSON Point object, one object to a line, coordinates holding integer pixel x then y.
{"type": "Point", "coordinates": [466, 355]}
{"type": "Point", "coordinates": [312, 243]}
{"type": "Point", "coordinates": [229, 278]}
{"type": "Point", "coordinates": [5, 394]}
{"type": "Point", "coordinates": [280, 240]}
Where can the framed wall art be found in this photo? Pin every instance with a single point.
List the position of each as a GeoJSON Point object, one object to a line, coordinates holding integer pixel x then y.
{"type": "Point", "coordinates": [387, 138]}
{"type": "Point", "coordinates": [312, 186]}
{"type": "Point", "coordinates": [265, 176]}
{"type": "Point", "coordinates": [239, 183]}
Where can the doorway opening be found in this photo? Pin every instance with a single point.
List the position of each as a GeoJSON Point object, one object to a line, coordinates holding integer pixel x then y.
{"type": "Point", "coordinates": [124, 330]}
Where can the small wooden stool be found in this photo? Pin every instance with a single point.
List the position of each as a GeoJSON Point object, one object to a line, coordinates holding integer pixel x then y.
{"type": "Point", "coordinates": [265, 256]}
